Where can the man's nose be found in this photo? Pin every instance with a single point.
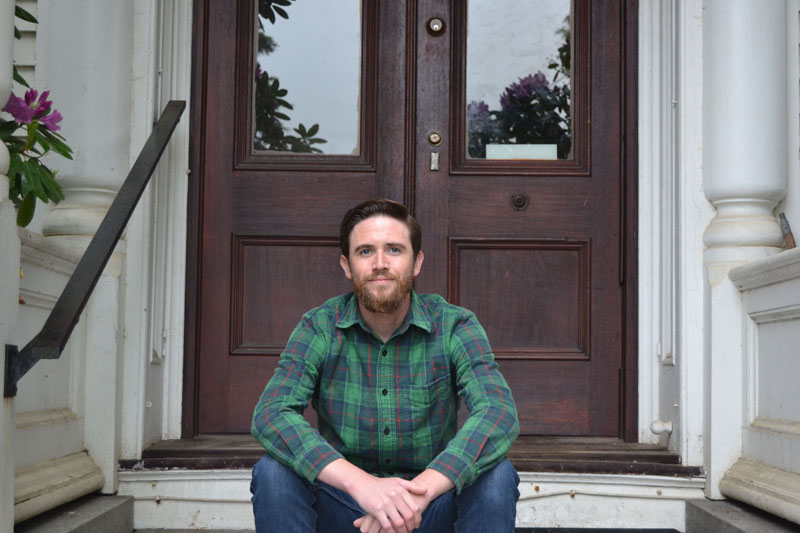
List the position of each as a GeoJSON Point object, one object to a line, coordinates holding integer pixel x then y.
{"type": "Point", "coordinates": [380, 261]}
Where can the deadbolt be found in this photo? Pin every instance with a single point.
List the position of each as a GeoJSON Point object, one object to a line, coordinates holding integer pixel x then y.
{"type": "Point", "coordinates": [435, 26]}
{"type": "Point", "coordinates": [435, 138]}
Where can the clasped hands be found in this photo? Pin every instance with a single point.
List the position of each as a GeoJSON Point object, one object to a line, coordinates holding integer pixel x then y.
{"type": "Point", "coordinates": [393, 505]}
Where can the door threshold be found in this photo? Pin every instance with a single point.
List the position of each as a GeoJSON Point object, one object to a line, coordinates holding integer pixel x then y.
{"type": "Point", "coordinates": [579, 455]}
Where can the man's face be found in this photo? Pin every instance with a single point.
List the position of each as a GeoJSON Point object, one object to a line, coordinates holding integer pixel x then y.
{"type": "Point", "coordinates": [382, 264]}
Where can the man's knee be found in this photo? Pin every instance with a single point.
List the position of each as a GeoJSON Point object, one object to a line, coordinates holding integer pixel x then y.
{"type": "Point", "coordinates": [271, 474]}
{"type": "Point", "coordinates": [500, 484]}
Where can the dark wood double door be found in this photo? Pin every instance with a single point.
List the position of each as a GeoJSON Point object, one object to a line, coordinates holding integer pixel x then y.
{"type": "Point", "coordinates": [540, 249]}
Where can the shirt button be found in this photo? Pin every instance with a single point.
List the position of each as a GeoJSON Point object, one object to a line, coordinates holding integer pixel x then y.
{"type": "Point", "coordinates": [383, 353]}
{"type": "Point", "coordinates": [384, 392]}
{"type": "Point", "coordinates": [385, 431]}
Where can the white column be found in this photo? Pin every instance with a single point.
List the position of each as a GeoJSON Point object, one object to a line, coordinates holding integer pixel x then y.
{"type": "Point", "coordinates": [9, 277]}
{"type": "Point", "coordinates": [84, 58]}
{"type": "Point", "coordinates": [744, 88]}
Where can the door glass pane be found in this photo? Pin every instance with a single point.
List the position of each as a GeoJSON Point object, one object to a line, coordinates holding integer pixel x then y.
{"type": "Point", "coordinates": [308, 76]}
{"type": "Point", "coordinates": [518, 79]}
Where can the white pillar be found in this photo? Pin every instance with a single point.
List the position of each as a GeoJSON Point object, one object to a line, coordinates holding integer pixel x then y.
{"type": "Point", "coordinates": [745, 153]}
{"type": "Point", "coordinates": [9, 277]}
{"type": "Point", "coordinates": [84, 58]}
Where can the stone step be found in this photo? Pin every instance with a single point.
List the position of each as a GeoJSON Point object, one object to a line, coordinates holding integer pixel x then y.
{"type": "Point", "coordinates": [728, 516]}
{"type": "Point", "coordinates": [90, 514]}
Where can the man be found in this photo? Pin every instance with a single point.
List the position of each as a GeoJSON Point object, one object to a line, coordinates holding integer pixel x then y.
{"type": "Point", "coordinates": [385, 369]}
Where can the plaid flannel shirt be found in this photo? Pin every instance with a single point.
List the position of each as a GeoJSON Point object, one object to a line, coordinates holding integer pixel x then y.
{"type": "Point", "coordinates": [389, 408]}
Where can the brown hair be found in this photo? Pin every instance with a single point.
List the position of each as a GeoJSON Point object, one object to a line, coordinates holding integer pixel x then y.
{"type": "Point", "coordinates": [378, 207]}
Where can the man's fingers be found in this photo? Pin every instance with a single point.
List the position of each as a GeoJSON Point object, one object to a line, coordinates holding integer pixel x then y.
{"type": "Point", "coordinates": [414, 515]}
{"type": "Point", "coordinates": [413, 487]}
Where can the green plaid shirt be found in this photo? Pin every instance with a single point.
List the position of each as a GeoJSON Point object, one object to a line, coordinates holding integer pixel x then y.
{"type": "Point", "coordinates": [389, 408]}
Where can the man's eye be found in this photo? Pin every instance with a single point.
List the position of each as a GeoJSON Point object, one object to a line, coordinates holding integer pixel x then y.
{"type": "Point", "coordinates": [364, 252]}
{"type": "Point", "coordinates": [394, 250]}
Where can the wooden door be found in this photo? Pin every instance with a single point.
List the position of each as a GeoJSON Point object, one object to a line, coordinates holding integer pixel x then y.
{"type": "Point", "coordinates": [535, 245]}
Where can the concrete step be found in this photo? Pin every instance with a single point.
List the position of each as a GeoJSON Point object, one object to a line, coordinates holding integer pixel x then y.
{"type": "Point", "coordinates": [728, 516]}
{"type": "Point", "coordinates": [90, 514]}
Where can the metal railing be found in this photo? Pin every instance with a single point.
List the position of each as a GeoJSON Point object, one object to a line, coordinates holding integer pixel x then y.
{"type": "Point", "coordinates": [50, 341]}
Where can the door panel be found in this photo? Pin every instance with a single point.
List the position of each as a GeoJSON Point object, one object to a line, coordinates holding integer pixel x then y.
{"type": "Point", "coordinates": [533, 246]}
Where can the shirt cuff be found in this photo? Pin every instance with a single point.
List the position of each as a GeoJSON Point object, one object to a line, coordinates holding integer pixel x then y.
{"type": "Point", "coordinates": [315, 460]}
{"type": "Point", "coordinates": [454, 468]}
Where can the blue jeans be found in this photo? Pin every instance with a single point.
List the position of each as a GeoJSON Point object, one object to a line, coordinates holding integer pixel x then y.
{"type": "Point", "coordinates": [283, 502]}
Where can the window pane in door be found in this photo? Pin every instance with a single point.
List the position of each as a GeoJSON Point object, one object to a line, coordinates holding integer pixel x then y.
{"type": "Point", "coordinates": [308, 76]}
{"type": "Point", "coordinates": [518, 89]}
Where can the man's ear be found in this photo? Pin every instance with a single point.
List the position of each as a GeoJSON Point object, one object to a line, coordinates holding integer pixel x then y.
{"type": "Point", "coordinates": [345, 264]}
{"type": "Point", "coordinates": [418, 263]}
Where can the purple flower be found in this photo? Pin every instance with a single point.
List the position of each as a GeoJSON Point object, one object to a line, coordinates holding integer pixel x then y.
{"type": "Point", "coordinates": [33, 107]}
{"type": "Point", "coordinates": [18, 109]}
{"type": "Point", "coordinates": [477, 111]}
{"type": "Point", "coordinates": [525, 88]}
{"type": "Point", "coordinates": [51, 121]}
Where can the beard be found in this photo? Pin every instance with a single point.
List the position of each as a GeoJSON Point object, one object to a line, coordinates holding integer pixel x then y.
{"type": "Point", "coordinates": [383, 301]}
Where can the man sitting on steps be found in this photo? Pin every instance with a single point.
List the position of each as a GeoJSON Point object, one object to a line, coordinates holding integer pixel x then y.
{"type": "Point", "coordinates": [385, 369]}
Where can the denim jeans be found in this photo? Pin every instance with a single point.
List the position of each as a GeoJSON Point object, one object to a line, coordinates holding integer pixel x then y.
{"type": "Point", "coordinates": [283, 502]}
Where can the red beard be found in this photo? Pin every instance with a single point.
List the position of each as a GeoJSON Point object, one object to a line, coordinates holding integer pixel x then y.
{"type": "Point", "coordinates": [383, 301]}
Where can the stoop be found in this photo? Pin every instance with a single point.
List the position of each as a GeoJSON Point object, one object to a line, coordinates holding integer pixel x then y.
{"type": "Point", "coordinates": [728, 516]}
{"type": "Point", "coordinates": [90, 514]}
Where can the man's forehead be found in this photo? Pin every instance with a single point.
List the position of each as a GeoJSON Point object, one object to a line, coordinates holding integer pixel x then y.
{"type": "Point", "coordinates": [382, 228]}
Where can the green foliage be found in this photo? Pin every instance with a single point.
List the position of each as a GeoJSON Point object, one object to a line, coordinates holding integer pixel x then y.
{"type": "Point", "coordinates": [271, 105]}
{"type": "Point", "coordinates": [28, 142]}
{"type": "Point", "coordinates": [533, 110]}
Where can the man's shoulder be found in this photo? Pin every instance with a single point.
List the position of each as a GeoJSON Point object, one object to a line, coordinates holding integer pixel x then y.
{"type": "Point", "coordinates": [438, 308]}
{"type": "Point", "coordinates": [331, 310]}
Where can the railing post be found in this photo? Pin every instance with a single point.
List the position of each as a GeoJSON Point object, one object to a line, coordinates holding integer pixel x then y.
{"type": "Point", "coordinates": [9, 277]}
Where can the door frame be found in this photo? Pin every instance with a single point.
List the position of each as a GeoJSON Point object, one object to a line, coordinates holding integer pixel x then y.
{"type": "Point", "coordinates": [629, 392]}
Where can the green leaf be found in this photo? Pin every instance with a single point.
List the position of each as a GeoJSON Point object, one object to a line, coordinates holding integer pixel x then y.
{"type": "Point", "coordinates": [17, 34]}
{"type": "Point", "coordinates": [313, 130]}
{"type": "Point", "coordinates": [301, 130]}
{"type": "Point", "coordinates": [56, 143]}
{"type": "Point", "coordinates": [25, 15]}
{"type": "Point", "coordinates": [281, 116]}
{"type": "Point", "coordinates": [25, 210]}
{"type": "Point", "coordinates": [35, 175]}
{"type": "Point", "coordinates": [280, 12]}
{"type": "Point", "coordinates": [19, 79]}
{"type": "Point", "coordinates": [282, 2]}
{"type": "Point", "coordinates": [7, 128]}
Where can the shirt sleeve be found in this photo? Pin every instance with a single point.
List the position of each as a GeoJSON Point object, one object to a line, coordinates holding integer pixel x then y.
{"type": "Point", "coordinates": [278, 422]}
{"type": "Point", "coordinates": [492, 425]}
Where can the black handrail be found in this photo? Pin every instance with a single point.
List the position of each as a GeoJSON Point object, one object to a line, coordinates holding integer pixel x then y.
{"type": "Point", "coordinates": [50, 341]}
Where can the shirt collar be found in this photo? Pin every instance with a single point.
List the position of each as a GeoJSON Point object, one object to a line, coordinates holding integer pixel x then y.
{"type": "Point", "coordinates": [417, 315]}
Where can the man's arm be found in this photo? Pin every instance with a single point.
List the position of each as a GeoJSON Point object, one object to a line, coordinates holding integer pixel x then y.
{"type": "Point", "coordinates": [492, 424]}
{"type": "Point", "coordinates": [278, 422]}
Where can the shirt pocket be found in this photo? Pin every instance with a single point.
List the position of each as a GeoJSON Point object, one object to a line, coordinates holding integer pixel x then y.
{"type": "Point", "coordinates": [432, 410]}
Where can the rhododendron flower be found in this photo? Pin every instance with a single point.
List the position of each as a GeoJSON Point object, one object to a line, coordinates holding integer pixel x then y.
{"type": "Point", "coordinates": [33, 107]}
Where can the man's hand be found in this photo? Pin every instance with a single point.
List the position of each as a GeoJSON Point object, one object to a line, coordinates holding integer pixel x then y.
{"type": "Point", "coordinates": [388, 502]}
{"type": "Point", "coordinates": [435, 484]}
{"type": "Point", "coordinates": [392, 505]}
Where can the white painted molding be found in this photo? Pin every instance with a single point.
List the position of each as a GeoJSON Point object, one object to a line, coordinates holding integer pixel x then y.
{"type": "Point", "coordinates": [772, 269]}
{"type": "Point", "coordinates": [765, 487]}
{"type": "Point", "coordinates": [46, 485]}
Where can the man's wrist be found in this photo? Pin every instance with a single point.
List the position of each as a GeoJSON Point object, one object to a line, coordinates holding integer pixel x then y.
{"type": "Point", "coordinates": [436, 483]}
